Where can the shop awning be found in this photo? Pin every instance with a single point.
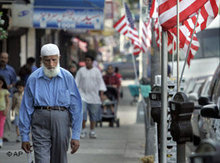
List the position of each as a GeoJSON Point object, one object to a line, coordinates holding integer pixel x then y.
{"type": "Point", "coordinates": [94, 4]}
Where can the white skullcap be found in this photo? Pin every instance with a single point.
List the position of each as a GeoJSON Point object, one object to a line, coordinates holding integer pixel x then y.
{"type": "Point", "coordinates": [50, 49]}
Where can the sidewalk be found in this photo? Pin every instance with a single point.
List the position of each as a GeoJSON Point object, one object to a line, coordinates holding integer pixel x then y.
{"type": "Point", "coordinates": [113, 145]}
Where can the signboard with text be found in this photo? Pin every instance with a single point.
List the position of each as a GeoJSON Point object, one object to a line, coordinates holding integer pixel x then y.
{"type": "Point", "coordinates": [57, 14]}
{"type": "Point", "coordinates": [66, 18]}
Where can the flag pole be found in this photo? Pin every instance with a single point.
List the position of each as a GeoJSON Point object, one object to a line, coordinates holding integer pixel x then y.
{"type": "Point", "coordinates": [172, 59]}
{"type": "Point", "coordinates": [135, 70]}
{"type": "Point", "coordinates": [163, 123]}
{"type": "Point", "coordinates": [141, 63]}
{"type": "Point", "coordinates": [177, 48]}
{"type": "Point", "coordinates": [188, 50]}
{"type": "Point", "coordinates": [181, 148]}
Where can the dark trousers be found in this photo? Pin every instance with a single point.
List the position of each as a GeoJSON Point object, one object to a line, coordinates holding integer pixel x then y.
{"type": "Point", "coordinates": [50, 135]}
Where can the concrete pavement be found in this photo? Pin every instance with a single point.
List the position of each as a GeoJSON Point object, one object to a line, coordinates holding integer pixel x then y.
{"type": "Point", "coordinates": [125, 144]}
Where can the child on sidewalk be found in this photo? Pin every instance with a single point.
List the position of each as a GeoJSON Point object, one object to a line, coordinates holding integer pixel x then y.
{"type": "Point", "coordinates": [107, 102]}
{"type": "Point", "coordinates": [4, 106]}
{"type": "Point", "coordinates": [16, 103]}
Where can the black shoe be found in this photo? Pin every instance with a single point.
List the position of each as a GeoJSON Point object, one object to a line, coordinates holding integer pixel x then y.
{"type": "Point", "coordinates": [5, 140]}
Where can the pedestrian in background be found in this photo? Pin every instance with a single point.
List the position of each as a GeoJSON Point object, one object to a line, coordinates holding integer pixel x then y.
{"type": "Point", "coordinates": [7, 71]}
{"type": "Point", "coordinates": [4, 106]}
{"type": "Point", "coordinates": [91, 86]}
{"type": "Point", "coordinates": [73, 68]}
{"type": "Point", "coordinates": [117, 73]}
{"type": "Point", "coordinates": [111, 80]}
{"type": "Point", "coordinates": [10, 77]}
{"type": "Point", "coordinates": [16, 103]}
{"type": "Point", "coordinates": [50, 105]}
{"type": "Point", "coordinates": [27, 69]}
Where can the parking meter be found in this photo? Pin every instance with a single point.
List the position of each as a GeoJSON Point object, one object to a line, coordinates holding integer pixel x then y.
{"type": "Point", "coordinates": [155, 99]}
{"type": "Point", "coordinates": [208, 151]}
{"type": "Point", "coordinates": [181, 112]}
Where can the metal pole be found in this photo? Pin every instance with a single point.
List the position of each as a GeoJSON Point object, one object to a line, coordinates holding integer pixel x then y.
{"type": "Point", "coordinates": [173, 58]}
{"type": "Point", "coordinates": [177, 48]}
{"type": "Point", "coordinates": [163, 136]}
{"type": "Point", "coordinates": [187, 53]}
{"type": "Point", "coordinates": [135, 70]}
{"type": "Point", "coordinates": [141, 63]}
{"type": "Point", "coordinates": [181, 153]}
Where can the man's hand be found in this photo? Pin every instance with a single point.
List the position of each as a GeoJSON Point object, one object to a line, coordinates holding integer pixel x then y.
{"type": "Point", "coordinates": [26, 146]}
{"type": "Point", "coordinates": [74, 145]}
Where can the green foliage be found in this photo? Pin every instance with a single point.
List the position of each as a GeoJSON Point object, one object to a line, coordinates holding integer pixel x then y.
{"type": "Point", "coordinates": [3, 33]}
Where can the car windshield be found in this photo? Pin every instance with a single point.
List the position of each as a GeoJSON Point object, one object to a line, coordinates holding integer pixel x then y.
{"type": "Point", "coordinates": [209, 43]}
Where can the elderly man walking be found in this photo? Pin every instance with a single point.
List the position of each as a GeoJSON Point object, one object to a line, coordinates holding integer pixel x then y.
{"type": "Point", "coordinates": [50, 105]}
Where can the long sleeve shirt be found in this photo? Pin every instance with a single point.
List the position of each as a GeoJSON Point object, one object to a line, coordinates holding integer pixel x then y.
{"type": "Point", "coordinates": [9, 75]}
{"type": "Point", "coordinates": [43, 91]}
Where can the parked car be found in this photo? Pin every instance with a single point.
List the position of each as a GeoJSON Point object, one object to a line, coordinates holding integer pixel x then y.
{"type": "Point", "coordinates": [212, 110]}
{"type": "Point", "coordinates": [205, 118]}
{"type": "Point", "coordinates": [199, 87]}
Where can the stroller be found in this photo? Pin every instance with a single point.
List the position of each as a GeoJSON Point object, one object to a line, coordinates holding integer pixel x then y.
{"type": "Point", "coordinates": [111, 107]}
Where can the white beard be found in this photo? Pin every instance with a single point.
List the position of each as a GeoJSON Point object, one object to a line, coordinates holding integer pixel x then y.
{"type": "Point", "coordinates": [51, 72]}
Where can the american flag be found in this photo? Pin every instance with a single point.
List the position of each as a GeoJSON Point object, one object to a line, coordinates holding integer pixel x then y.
{"type": "Point", "coordinates": [157, 29]}
{"type": "Point", "coordinates": [168, 14]}
{"type": "Point", "coordinates": [207, 14]}
{"type": "Point", "coordinates": [146, 27]}
{"type": "Point", "coordinates": [146, 35]}
{"type": "Point", "coordinates": [129, 16]}
{"type": "Point", "coordinates": [154, 10]}
{"type": "Point", "coordinates": [125, 25]}
{"type": "Point", "coordinates": [185, 37]}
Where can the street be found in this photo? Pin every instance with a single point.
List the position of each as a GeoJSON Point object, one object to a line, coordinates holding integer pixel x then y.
{"type": "Point", "coordinates": [125, 144]}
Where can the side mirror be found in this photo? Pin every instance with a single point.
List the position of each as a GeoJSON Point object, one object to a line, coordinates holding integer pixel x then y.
{"type": "Point", "coordinates": [203, 101]}
{"type": "Point", "coordinates": [210, 111]}
{"type": "Point", "coordinates": [193, 96]}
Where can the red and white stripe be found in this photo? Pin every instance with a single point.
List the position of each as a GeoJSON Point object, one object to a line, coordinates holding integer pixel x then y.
{"type": "Point", "coordinates": [136, 50]}
{"type": "Point", "coordinates": [154, 9]}
{"type": "Point", "coordinates": [208, 13]}
{"type": "Point", "coordinates": [158, 30]}
{"type": "Point", "coordinates": [146, 35]}
{"type": "Point", "coordinates": [122, 26]}
{"type": "Point", "coordinates": [168, 13]}
{"type": "Point", "coordinates": [185, 35]}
